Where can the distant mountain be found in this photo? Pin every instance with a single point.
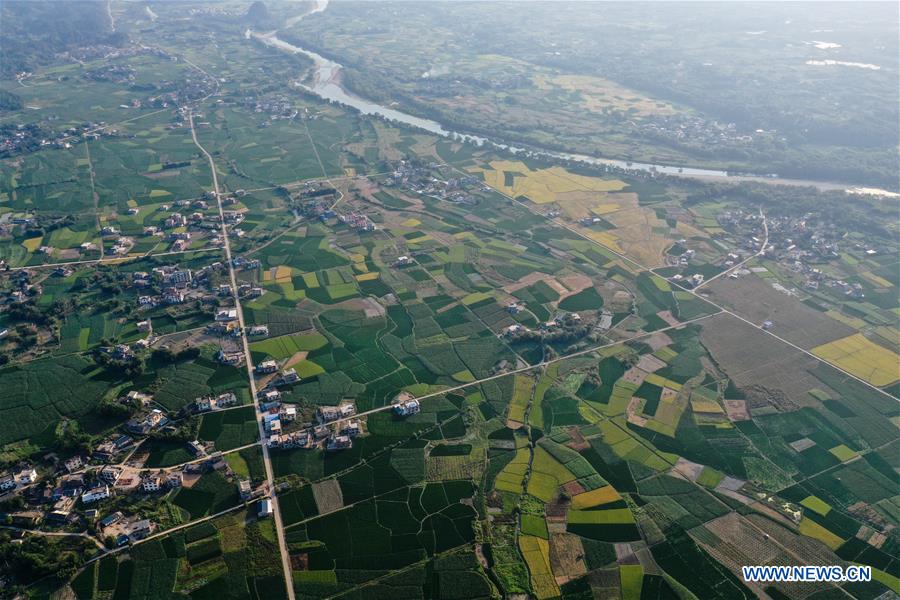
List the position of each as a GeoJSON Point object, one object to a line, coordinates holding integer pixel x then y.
{"type": "Point", "coordinates": [258, 13]}
{"type": "Point", "coordinates": [35, 30]}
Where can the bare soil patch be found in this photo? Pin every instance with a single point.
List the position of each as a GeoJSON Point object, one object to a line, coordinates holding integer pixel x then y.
{"type": "Point", "coordinates": [756, 300]}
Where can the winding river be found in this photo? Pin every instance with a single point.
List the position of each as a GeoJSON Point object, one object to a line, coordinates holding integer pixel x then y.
{"type": "Point", "coordinates": [326, 84]}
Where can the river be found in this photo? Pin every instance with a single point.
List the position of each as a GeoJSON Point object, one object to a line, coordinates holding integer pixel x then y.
{"type": "Point", "coordinates": [327, 85]}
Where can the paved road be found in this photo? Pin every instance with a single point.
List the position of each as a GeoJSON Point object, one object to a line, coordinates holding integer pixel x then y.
{"type": "Point", "coordinates": [270, 477]}
{"type": "Point", "coordinates": [80, 534]}
{"type": "Point", "coordinates": [113, 260]}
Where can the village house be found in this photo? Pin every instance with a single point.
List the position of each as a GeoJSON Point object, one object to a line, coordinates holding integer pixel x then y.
{"type": "Point", "coordinates": [175, 479]}
{"type": "Point", "coordinates": [73, 464]}
{"type": "Point", "coordinates": [230, 358]}
{"type": "Point", "coordinates": [407, 408]}
{"type": "Point", "coordinates": [222, 327]}
{"type": "Point", "coordinates": [95, 494]}
{"type": "Point", "coordinates": [351, 428]}
{"type": "Point", "coordinates": [288, 376]}
{"type": "Point", "coordinates": [272, 423]}
{"type": "Point", "coordinates": [151, 484]}
{"type": "Point", "coordinates": [26, 476]}
{"type": "Point", "coordinates": [7, 482]}
{"type": "Point", "coordinates": [140, 529]}
{"type": "Point", "coordinates": [104, 451]}
{"type": "Point", "coordinates": [225, 400]}
{"type": "Point", "coordinates": [203, 404]}
{"type": "Point", "coordinates": [62, 509]}
{"type": "Point", "coordinates": [258, 330]}
{"type": "Point", "coordinates": [111, 519]}
{"type": "Point", "coordinates": [147, 422]}
{"type": "Point", "coordinates": [172, 296]}
{"type": "Point", "coordinates": [269, 396]}
{"type": "Point", "coordinates": [339, 442]}
{"type": "Point", "coordinates": [226, 315]}
{"type": "Point", "coordinates": [288, 413]}
{"type": "Point", "coordinates": [72, 485]}
{"type": "Point", "coordinates": [267, 366]}
{"type": "Point", "coordinates": [327, 414]}
{"type": "Point", "coordinates": [110, 474]}
{"type": "Point", "coordinates": [196, 448]}
{"type": "Point", "coordinates": [244, 489]}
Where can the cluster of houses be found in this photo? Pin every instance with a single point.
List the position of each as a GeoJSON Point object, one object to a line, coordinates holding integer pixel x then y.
{"type": "Point", "coordinates": [161, 481]}
{"type": "Point", "coordinates": [698, 131]}
{"type": "Point", "coordinates": [287, 377]}
{"type": "Point", "coordinates": [247, 264]}
{"type": "Point", "coordinates": [275, 415]}
{"type": "Point", "coordinates": [337, 438]}
{"type": "Point", "coordinates": [802, 244]}
{"type": "Point", "coordinates": [318, 208]}
{"type": "Point", "coordinates": [176, 226]}
{"type": "Point", "coordinates": [358, 221]}
{"type": "Point", "coordinates": [126, 529]}
{"type": "Point", "coordinates": [420, 179]}
{"type": "Point", "coordinates": [208, 403]}
{"type": "Point", "coordinates": [560, 320]}
{"type": "Point", "coordinates": [22, 477]}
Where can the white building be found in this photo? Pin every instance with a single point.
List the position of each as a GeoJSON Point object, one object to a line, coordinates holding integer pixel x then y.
{"type": "Point", "coordinates": [26, 476]}
{"type": "Point", "coordinates": [405, 409]}
{"type": "Point", "coordinates": [151, 484]}
{"type": "Point", "coordinates": [95, 494]}
{"type": "Point", "coordinates": [226, 315]}
{"type": "Point", "coordinates": [267, 366]}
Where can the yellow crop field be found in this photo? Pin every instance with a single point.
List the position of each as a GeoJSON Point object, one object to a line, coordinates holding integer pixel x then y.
{"type": "Point", "coordinates": [863, 358]}
{"type": "Point", "coordinates": [521, 395]}
{"type": "Point", "coordinates": [605, 238]}
{"type": "Point", "coordinates": [510, 478]}
{"type": "Point", "coordinates": [368, 276]}
{"type": "Point", "coordinates": [411, 223]}
{"type": "Point", "coordinates": [843, 453]}
{"type": "Point", "coordinates": [810, 528]}
{"type": "Point", "coordinates": [604, 209]}
{"type": "Point", "coordinates": [701, 405]}
{"type": "Point", "coordinates": [543, 186]}
{"type": "Point", "coordinates": [537, 554]}
{"type": "Point", "coordinates": [603, 495]}
{"type": "Point", "coordinates": [310, 280]}
{"type": "Point", "coordinates": [854, 322]}
{"type": "Point", "coordinates": [877, 280]}
{"type": "Point", "coordinates": [282, 274]}
{"type": "Point", "coordinates": [32, 244]}
{"type": "Point", "coordinates": [662, 382]}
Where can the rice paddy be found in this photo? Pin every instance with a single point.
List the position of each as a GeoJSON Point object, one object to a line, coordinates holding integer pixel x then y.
{"type": "Point", "coordinates": [863, 358]}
